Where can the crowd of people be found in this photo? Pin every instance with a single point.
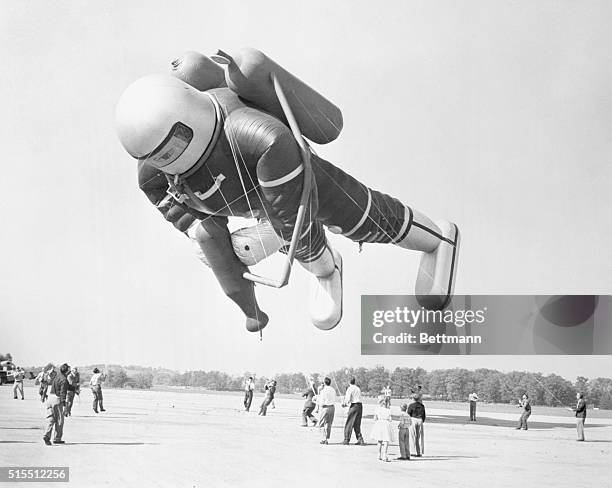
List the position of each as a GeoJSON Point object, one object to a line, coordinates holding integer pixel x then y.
{"type": "Point", "coordinates": [58, 388]}
{"type": "Point", "coordinates": [319, 411]}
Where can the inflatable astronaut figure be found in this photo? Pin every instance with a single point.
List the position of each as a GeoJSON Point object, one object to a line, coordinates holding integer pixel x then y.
{"type": "Point", "coordinates": [212, 142]}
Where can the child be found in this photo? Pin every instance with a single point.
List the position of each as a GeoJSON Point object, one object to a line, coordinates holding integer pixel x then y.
{"type": "Point", "coordinates": [404, 433]}
{"type": "Point", "coordinates": [381, 431]}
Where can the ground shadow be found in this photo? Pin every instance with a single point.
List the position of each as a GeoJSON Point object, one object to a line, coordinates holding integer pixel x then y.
{"type": "Point", "coordinates": [111, 444]}
{"type": "Point", "coordinates": [110, 417]}
{"type": "Point", "coordinates": [440, 458]}
{"type": "Point", "coordinates": [21, 428]}
{"type": "Point", "coordinates": [17, 442]}
{"type": "Point", "coordinates": [352, 444]}
{"type": "Point", "coordinates": [495, 422]}
{"type": "Point", "coordinates": [597, 440]}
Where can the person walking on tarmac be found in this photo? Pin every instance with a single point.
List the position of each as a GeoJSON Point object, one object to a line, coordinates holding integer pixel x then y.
{"type": "Point", "coordinates": [270, 391]}
{"type": "Point", "coordinates": [581, 413]}
{"type": "Point", "coordinates": [526, 406]}
{"type": "Point", "coordinates": [18, 386]}
{"type": "Point", "coordinates": [74, 388]}
{"type": "Point", "coordinates": [326, 401]}
{"type": "Point", "coordinates": [352, 399]}
{"type": "Point", "coordinates": [309, 406]}
{"type": "Point", "coordinates": [55, 406]}
{"type": "Point", "coordinates": [45, 378]}
{"type": "Point", "coordinates": [386, 393]}
{"type": "Point", "coordinates": [96, 388]}
{"type": "Point", "coordinates": [416, 410]}
{"type": "Point", "coordinates": [249, 386]}
{"type": "Point", "coordinates": [473, 398]}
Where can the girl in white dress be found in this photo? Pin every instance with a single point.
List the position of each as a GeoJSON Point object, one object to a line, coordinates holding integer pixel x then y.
{"type": "Point", "coordinates": [382, 431]}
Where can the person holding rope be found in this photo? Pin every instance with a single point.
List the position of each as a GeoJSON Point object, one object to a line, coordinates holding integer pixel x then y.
{"type": "Point", "coordinates": [525, 404]}
{"type": "Point", "coordinates": [320, 387]}
{"type": "Point", "coordinates": [18, 386]}
{"type": "Point", "coordinates": [327, 409]}
{"type": "Point", "coordinates": [581, 412]}
{"type": "Point", "coordinates": [96, 389]}
{"type": "Point", "coordinates": [55, 406]}
{"type": "Point", "coordinates": [416, 411]}
{"type": "Point", "coordinates": [309, 405]}
{"type": "Point", "coordinates": [270, 388]}
{"type": "Point", "coordinates": [44, 379]}
{"type": "Point", "coordinates": [386, 393]}
{"type": "Point", "coordinates": [249, 386]}
{"type": "Point", "coordinates": [473, 399]}
{"type": "Point", "coordinates": [74, 388]}
{"type": "Point", "coordinates": [352, 399]}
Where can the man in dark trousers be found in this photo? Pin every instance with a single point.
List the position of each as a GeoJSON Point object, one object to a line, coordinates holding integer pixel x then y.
{"type": "Point", "coordinates": [74, 388]}
{"type": "Point", "coordinates": [352, 399]}
{"type": "Point", "coordinates": [386, 392]}
{"type": "Point", "coordinates": [309, 405]}
{"type": "Point", "coordinates": [416, 410]}
{"type": "Point", "coordinates": [526, 406]}
{"type": "Point", "coordinates": [249, 386]}
{"type": "Point", "coordinates": [55, 406]}
{"type": "Point", "coordinates": [581, 411]}
{"type": "Point", "coordinates": [270, 391]}
{"type": "Point", "coordinates": [473, 397]}
{"type": "Point", "coordinates": [44, 379]}
{"type": "Point", "coordinates": [96, 389]}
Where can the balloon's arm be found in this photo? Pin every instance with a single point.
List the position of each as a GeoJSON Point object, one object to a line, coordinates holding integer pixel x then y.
{"type": "Point", "coordinates": [154, 184]}
{"type": "Point", "coordinates": [283, 279]}
{"type": "Point", "coordinates": [215, 241]}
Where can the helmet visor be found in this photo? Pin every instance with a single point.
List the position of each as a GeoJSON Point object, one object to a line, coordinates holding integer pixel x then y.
{"type": "Point", "coordinates": [170, 149]}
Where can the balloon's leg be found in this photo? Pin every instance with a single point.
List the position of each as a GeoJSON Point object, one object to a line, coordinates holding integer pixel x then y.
{"type": "Point", "coordinates": [439, 243]}
{"type": "Point", "coordinates": [326, 289]}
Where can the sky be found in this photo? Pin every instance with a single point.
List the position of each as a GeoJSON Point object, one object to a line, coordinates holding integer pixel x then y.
{"type": "Point", "coordinates": [495, 115]}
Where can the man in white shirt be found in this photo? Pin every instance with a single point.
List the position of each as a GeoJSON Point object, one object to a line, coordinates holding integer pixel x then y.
{"type": "Point", "coordinates": [19, 375]}
{"type": "Point", "coordinates": [473, 397]}
{"type": "Point", "coordinates": [96, 388]}
{"type": "Point", "coordinates": [352, 399]}
{"type": "Point", "coordinates": [326, 401]}
{"type": "Point", "coordinates": [249, 386]}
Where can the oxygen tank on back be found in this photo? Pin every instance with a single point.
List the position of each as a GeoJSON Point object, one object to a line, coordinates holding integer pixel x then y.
{"type": "Point", "coordinates": [197, 70]}
{"type": "Point", "coordinates": [249, 74]}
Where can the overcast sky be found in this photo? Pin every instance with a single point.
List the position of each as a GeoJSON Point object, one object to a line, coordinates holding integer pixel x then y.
{"type": "Point", "coordinates": [494, 114]}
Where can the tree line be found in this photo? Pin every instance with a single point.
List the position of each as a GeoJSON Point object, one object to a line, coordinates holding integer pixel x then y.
{"type": "Point", "coordinates": [455, 384]}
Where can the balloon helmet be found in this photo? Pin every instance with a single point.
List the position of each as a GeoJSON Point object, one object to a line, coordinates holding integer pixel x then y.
{"type": "Point", "coordinates": [166, 122]}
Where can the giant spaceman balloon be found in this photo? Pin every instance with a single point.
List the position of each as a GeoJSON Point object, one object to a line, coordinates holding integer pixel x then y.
{"type": "Point", "coordinates": [213, 142]}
